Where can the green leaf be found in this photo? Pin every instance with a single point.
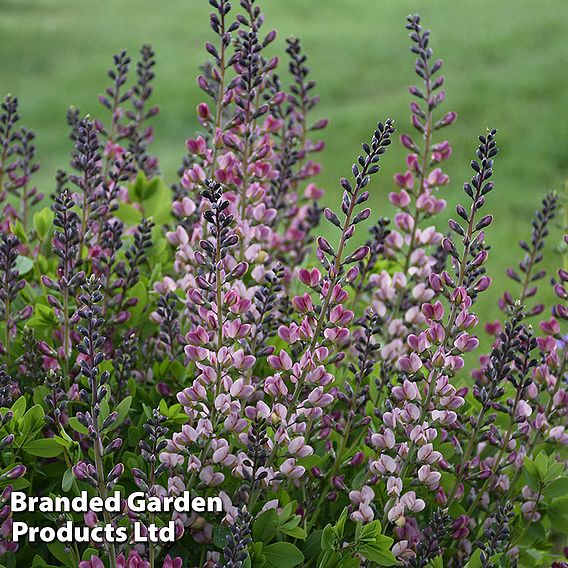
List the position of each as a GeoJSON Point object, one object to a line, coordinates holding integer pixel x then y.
{"type": "Point", "coordinates": [32, 420]}
{"type": "Point", "coordinates": [77, 426]}
{"type": "Point", "coordinates": [43, 318]}
{"type": "Point", "coordinates": [44, 448]}
{"type": "Point", "coordinates": [140, 291]}
{"type": "Point", "coordinates": [24, 264]}
{"type": "Point", "coordinates": [122, 409]}
{"type": "Point", "coordinates": [557, 488]}
{"type": "Point", "coordinates": [371, 531]}
{"type": "Point", "coordinates": [437, 562]}
{"type": "Point", "coordinates": [541, 463]}
{"type": "Point", "coordinates": [89, 553]}
{"type": "Point", "coordinates": [17, 229]}
{"type": "Point", "coordinates": [474, 560]}
{"type": "Point", "coordinates": [554, 470]}
{"type": "Point", "coordinates": [328, 538]}
{"type": "Point", "coordinates": [159, 204]}
{"type": "Point", "coordinates": [296, 532]}
{"type": "Point", "coordinates": [39, 562]}
{"type": "Point", "coordinates": [264, 528]}
{"type": "Point", "coordinates": [329, 559]}
{"type": "Point", "coordinates": [19, 407]}
{"type": "Point", "coordinates": [349, 562]}
{"type": "Point", "coordinates": [40, 392]}
{"type": "Point", "coordinates": [63, 441]}
{"type": "Point", "coordinates": [60, 552]}
{"type": "Point", "coordinates": [220, 534]}
{"type": "Point", "coordinates": [312, 546]}
{"type": "Point", "coordinates": [557, 513]}
{"type": "Point", "coordinates": [67, 480]}
{"type": "Point", "coordinates": [377, 553]}
{"type": "Point", "coordinates": [129, 214]}
{"type": "Point", "coordinates": [283, 554]}
{"type": "Point", "coordinates": [43, 222]}
{"type": "Point", "coordinates": [339, 527]}
{"type": "Point", "coordinates": [104, 409]}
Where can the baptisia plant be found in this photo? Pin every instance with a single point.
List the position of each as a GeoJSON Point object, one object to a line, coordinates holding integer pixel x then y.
{"type": "Point", "coordinates": [231, 337]}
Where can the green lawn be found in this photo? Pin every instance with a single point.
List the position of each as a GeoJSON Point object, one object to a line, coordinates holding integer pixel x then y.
{"type": "Point", "coordinates": [505, 61]}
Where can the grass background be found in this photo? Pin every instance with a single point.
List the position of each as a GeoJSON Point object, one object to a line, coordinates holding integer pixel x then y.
{"type": "Point", "coordinates": [505, 64]}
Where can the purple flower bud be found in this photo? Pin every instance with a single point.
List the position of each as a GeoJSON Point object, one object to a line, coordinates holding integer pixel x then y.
{"type": "Point", "coordinates": [338, 481]}
{"type": "Point", "coordinates": [53, 301]}
{"type": "Point", "coordinates": [203, 84]}
{"type": "Point", "coordinates": [116, 472]}
{"type": "Point", "coordinates": [163, 389]}
{"type": "Point", "coordinates": [16, 472]}
{"type": "Point", "coordinates": [240, 270]}
{"type": "Point", "coordinates": [48, 282]}
{"type": "Point", "coordinates": [279, 98]}
{"type": "Point", "coordinates": [320, 124]}
{"type": "Point", "coordinates": [357, 459]}
{"type": "Point", "coordinates": [448, 119]}
{"type": "Point", "coordinates": [352, 274]}
{"type": "Point", "coordinates": [408, 143]}
{"type": "Point", "coordinates": [360, 253]}
{"type": "Point", "coordinates": [482, 284]}
{"type": "Point", "coordinates": [324, 245]}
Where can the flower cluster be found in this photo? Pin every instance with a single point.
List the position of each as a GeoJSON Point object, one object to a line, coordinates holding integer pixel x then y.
{"type": "Point", "coordinates": [213, 338]}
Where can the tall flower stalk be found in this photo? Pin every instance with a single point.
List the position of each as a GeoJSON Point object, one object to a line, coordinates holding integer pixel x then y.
{"type": "Point", "coordinates": [90, 311]}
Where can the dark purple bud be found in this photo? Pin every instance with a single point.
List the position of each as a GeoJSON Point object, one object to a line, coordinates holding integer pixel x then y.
{"type": "Point", "coordinates": [163, 389]}
{"type": "Point", "coordinates": [203, 84]}
{"type": "Point", "coordinates": [16, 472]}
{"type": "Point", "coordinates": [278, 98]}
{"type": "Point", "coordinates": [357, 459]}
{"type": "Point", "coordinates": [48, 282]}
{"type": "Point", "coordinates": [482, 284]}
{"type": "Point", "coordinates": [362, 216]}
{"type": "Point", "coordinates": [320, 124]}
{"type": "Point", "coordinates": [484, 222]}
{"type": "Point", "coordinates": [324, 245]}
{"type": "Point", "coordinates": [338, 481]}
{"type": "Point", "coordinates": [116, 472]}
{"type": "Point", "coordinates": [240, 270]}
{"type": "Point", "coordinates": [332, 217]}
{"type": "Point", "coordinates": [359, 254]}
{"type": "Point", "coordinates": [110, 420]}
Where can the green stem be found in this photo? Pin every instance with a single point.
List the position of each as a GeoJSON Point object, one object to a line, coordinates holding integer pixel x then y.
{"type": "Point", "coordinates": [103, 492]}
{"type": "Point", "coordinates": [530, 520]}
{"type": "Point", "coordinates": [7, 326]}
{"type": "Point", "coordinates": [500, 455]}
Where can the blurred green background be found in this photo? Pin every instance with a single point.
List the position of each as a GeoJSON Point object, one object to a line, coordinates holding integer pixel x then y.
{"type": "Point", "coordinates": [505, 64]}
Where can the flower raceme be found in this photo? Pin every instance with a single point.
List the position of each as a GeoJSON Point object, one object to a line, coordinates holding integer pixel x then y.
{"type": "Point", "coordinates": [214, 339]}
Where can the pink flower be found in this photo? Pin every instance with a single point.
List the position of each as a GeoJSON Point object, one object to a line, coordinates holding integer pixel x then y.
{"type": "Point", "coordinates": [405, 181]}
{"type": "Point", "coordinates": [409, 391]}
{"type": "Point", "coordinates": [93, 562]}
{"type": "Point", "coordinates": [411, 364]}
{"type": "Point", "coordinates": [409, 501]}
{"type": "Point", "coordinates": [394, 486]}
{"type": "Point", "coordinates": [384, 465]}
{"type": "Point", "coordinates": [280, 362]}
{"type": "Point", "coordinates": [291, 469]}
{"type": "Point", "coordinates": [299, 447]}
{"type": "Point", "coordinates": [550, 327]}
{"type": "Point", "coordinates": [309, 277]}
{"type": "Point", "coordinates": [433, 311]}
{"type": "Point", "coordinates": [437, 178]}
{"type": "Point", "coordinates": [428, 477]}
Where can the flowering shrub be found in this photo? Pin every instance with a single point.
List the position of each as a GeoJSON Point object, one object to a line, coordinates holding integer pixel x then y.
{"type": "Point", "coordinates": [163, 341]}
